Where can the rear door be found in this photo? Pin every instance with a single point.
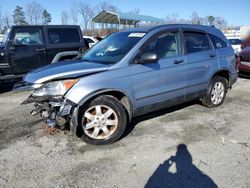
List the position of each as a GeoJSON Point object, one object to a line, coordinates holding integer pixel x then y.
{"type": "Point", "coordinates": [28, 49]}
{"type": "Point", "coordinates": [164, 80]}
{"type": "Point", "coordinates": [61, 39]}
{"type": "Point", "coordinates": [201, 61]}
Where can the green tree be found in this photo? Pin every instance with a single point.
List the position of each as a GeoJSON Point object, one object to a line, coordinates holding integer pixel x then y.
{"type": "Point", "coordinates": [19, 16]}
{"type": "Point", "coordinates": [46, 17]}
{"type": "Point", "coordinates": [211, 20]}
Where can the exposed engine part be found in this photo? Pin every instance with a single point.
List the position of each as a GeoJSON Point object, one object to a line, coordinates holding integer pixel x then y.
{"type": "Point", "coordinates": [51, 122]}
{"type": "Point", "coordinates": [39, 109]}
{"type": "Point", "coordinates": [65, 109]}
{"type": "Point", "coordinates": [45, 114]}
{"type": "Point", "coordinates": [60, 121]}
{"type": "Point", "coordinates": [55, 112]}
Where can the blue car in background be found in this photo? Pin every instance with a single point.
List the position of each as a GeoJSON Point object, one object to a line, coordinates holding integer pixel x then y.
{"type": "Point", "coordinates": [130, 73]}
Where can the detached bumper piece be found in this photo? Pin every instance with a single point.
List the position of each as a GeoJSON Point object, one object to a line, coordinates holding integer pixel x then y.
{"type": "Point", "coordinates": [55, 111]}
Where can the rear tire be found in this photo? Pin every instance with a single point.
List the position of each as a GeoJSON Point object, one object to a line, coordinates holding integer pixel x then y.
{"type": "Point", "coordinates": [216, 92]}
{"type": "Point", "coordinates": [102, 121]}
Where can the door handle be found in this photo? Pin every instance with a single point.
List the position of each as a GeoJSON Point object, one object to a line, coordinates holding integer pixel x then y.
{"type": "Point", "coordinates": [178, 61]}
{"type": "Point", "coordinates": [41, 49]}
{"type": "Point", "coordinates": [212, 55]}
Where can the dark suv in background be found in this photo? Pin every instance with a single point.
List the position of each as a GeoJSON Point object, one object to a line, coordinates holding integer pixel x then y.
{"type": "Point", "coordinates": [25, 48]}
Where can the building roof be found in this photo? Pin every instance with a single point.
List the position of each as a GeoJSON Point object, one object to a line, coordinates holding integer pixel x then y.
{"type": "Point", "coordinates": [123, 18]}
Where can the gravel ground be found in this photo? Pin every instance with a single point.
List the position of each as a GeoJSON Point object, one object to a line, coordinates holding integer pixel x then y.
{"type": "Point", "coordinates": [184, 146]}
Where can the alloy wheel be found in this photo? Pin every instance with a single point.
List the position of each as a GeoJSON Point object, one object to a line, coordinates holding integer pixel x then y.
{"type": "Point", "coordinates": [100, 122]}
{"type": "Point", "coordinates": [217, 93]}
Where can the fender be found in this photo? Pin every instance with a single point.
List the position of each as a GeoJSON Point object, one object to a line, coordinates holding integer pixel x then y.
{"type": "Point", "coordinates": [74, 118]}
{"type": "Point", "coordinates": [63, 54]}
{"type": "Point", "coordinates": [220, 70]}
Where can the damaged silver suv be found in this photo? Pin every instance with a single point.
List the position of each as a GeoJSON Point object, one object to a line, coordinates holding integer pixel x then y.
{"type": "Point", "coordinates": [129, 73]}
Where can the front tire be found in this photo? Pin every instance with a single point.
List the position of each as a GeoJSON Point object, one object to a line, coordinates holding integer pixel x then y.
{"type": "Point", "coordinates": [102, 121]}
{"type": "Point", "coordinates": [216, 92]}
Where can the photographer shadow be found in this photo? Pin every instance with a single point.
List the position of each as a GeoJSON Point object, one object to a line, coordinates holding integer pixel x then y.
{"type": "Point", "coordinates": [186, 175]}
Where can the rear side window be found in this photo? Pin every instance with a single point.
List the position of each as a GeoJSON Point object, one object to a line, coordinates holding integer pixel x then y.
{"type": "Point", "coordinates": [63, 35]}
{"type": "Point", "coordinates": [217, 42]}
{"type": "Point", "coordinates": [196, 42]}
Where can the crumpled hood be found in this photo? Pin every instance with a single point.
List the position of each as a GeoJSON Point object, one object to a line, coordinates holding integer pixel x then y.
{"type": "Point", "coordinates": [63, 70]}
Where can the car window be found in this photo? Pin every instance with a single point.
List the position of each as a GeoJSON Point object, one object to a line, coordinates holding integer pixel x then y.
{"type": "Point", "coordinates": [63, 35]}
{"type": "Point", "coordinates": [28, 36]}
{"type": "Point", "coordinates": [217, 42]}
{"type": "Point", "coordinates": [89, 40]}
{"type": "Point", "coordinates": [164, 45]}
{"type": "Point", "coordinates": [196, 42]}
{"type": "Point", "coordinates": [235, 41]}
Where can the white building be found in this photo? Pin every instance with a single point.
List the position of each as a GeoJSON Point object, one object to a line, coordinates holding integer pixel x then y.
{"type": "Point", "coordinates": [237, 32]}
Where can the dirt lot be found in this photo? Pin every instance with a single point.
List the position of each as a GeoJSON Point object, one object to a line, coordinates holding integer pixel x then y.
{"type": "Point", "coordinates": [184, 146]}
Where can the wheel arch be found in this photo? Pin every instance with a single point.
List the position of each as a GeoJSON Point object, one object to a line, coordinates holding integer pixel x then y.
{"type": "Point", "coordinates": [62, 55]}
{"type": "Point", "coordinates": [118, 94]}
{"type": "Point", "coordinates": [225, 74]}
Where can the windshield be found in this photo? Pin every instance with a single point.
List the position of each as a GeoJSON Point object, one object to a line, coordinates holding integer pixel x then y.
{"type": "Point", "coordinates": [113, 48]}
{"type": "Point", "coordinates": [235, 41]}
{"type": "Point", "coordinates": [6, 34]}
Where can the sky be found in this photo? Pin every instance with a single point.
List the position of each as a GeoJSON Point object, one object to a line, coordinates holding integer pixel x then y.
{"type": "Point", "coordinates": [236, 12]}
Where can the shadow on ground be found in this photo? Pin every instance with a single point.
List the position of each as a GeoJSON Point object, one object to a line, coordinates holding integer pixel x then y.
{"type": "Point", "coordinates": [10, 133]}
{"type": "Point", "coordinates": [186, 175]}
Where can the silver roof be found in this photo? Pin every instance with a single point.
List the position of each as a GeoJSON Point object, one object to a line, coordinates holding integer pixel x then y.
{"type": "Point", "coordinates": [123, 18]}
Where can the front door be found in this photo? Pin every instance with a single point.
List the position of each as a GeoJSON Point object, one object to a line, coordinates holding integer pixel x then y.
{"type": "Point", "coordinates": [27, 51]}
{"type": "Point", "coordinates": [164, 80]}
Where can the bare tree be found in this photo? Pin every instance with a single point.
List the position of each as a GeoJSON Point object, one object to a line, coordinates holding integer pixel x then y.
{"type": "Point", "coordinates": [87, 13]}
{"type": "Point", "coordinates": [220, 23]}
{"type": "Point", "coordinates": [6, 22]}
{"type": "Point", "coordinates": [107, 6]}
{"type": "Point", "coordinates": [74, 11]}
{"type": "Point", "coordinates": [34, 12]}
{"type": "Point", "coordinates": [172, 19]}
{"type": "Point", "coordinates": [196, 19]}
{"type": "Point", "coordinates": [64, 18]}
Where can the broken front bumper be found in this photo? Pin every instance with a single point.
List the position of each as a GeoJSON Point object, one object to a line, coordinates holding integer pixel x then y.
{"type": "Point", "coordinates": [55, 110]}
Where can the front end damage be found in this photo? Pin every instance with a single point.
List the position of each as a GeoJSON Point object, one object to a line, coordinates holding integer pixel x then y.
{"type": "Point", "coordinates": [56, 111]}
{"type": "Point", "coordinates": [51, 83]}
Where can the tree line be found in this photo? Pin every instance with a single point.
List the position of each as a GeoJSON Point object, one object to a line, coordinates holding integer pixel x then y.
{"type": "Point", "coordinates": [32, 14]}
{"type": "Point", "coordinates": [81, 13]}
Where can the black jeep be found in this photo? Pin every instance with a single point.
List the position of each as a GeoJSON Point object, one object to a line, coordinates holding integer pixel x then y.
{"type": "Point", "coordinates": [25, 48]}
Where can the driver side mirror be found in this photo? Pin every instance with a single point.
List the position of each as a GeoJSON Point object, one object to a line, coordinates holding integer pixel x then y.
{"type": "Point", "coordinates": [147, 58]}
